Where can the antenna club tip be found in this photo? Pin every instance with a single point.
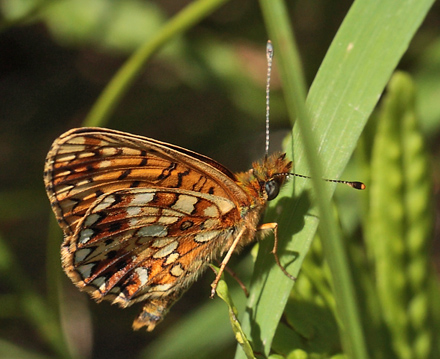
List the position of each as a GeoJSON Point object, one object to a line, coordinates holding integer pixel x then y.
{"type": "Point", "coordinates": [358, 185]}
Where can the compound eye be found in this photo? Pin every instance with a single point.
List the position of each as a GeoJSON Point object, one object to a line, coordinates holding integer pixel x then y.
{"type": "Point", "coordinates": [272, 189]}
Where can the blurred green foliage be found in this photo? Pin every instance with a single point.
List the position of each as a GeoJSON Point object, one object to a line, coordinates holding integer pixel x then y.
{"type": "Point", "coordinates": [203, 89]}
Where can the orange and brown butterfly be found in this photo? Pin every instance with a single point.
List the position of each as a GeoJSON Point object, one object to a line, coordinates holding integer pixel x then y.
{"type": "Point", "coordinates": [142, 219]}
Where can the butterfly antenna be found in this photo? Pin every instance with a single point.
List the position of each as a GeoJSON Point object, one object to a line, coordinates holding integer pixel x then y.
{"type": "Point", "coordinates": [352, 184]}
{"type": "Point", "coordinates": [269, 56]}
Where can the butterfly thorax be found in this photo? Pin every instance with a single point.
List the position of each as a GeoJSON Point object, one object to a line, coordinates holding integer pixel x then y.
{"type": "Point", "coordinates": [261, 184]}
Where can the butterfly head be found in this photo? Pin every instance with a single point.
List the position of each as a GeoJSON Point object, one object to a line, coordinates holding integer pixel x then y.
{"type": "Point", "coordinates": [266, 177]}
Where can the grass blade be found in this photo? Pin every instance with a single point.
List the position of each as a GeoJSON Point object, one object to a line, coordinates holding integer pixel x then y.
{"type": "Point", "coordinates": [120, 83]}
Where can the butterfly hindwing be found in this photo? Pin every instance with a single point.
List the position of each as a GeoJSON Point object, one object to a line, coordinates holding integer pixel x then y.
{"type": "Point", "coordinates": [138, 243]}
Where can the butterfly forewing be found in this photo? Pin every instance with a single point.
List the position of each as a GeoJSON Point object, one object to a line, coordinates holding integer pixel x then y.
{"type": "Point", "coordinates": [85, 163]}
{"type": "Point", "coordinates": [142, 218]}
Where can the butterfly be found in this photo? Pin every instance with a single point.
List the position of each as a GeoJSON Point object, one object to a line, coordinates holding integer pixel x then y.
{"type": "Point", "coordinates": [142, 219]}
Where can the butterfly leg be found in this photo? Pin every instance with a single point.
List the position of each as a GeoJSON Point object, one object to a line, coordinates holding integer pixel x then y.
{"type": "Point", "coordinates": [238, 280]}
{"type": "Point", "coordinates": [233, 275]}
{"type": "Point", "coordinates": [274, 228]}
{"type": "Point", "coordinates": [154, 310]}
{"type": "Point", "coordinates": [225, 262]}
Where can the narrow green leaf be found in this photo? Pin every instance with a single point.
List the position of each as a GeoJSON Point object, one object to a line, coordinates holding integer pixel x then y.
{"type": "Point", "coordinates": [240, 336]}
{"type": "Point", "coordinates": [115, 90]}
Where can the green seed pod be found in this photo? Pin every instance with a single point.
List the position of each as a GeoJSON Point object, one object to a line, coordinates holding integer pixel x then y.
{"type": "Point", "coordinates": [401, 222]}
